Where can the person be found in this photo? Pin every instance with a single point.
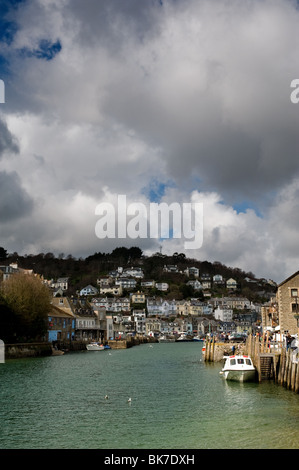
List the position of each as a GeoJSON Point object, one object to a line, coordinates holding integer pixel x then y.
{"type": "Point", "coordinates": [289, 339]}
{"type": "Point", "coordinates": [233, 349]}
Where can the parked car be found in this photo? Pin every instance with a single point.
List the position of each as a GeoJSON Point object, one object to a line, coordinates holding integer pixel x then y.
{"type": "Point", "coordinates": [237, 337]}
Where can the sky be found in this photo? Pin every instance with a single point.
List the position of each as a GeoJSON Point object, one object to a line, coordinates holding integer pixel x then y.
{"type": "Point", "coordinates": [184, 101]}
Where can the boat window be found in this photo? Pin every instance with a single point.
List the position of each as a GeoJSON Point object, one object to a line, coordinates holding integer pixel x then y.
{"type": "Point", "coordinates": [240, 361]}
{"type": "Point", "coordinates": [232, 362]}
{"type": "Point", "coordinates": [248, 362]}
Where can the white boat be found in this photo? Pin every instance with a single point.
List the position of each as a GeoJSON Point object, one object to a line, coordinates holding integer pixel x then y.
{"type": "Point", "coordinates": [239, 369]}
{"type": "Point", "coordinates": [95, 347]}
{"type": "Point", "coordinates": [184, 337]}
{"type": "Point", "coordinates": [166, 339]}
{"type": "Point", "coordinates": [196, 338]}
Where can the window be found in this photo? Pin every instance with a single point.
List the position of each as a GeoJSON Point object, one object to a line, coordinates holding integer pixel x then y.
{"type": "Point", "coordinates": [294, 292]}
{"type": "Point", "coordinates": [295, 307]}
{"type": "Point", "coordinates": [240, 361]}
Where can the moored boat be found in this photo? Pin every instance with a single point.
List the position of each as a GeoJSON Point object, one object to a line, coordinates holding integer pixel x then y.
{"type": "Point", "coordinates": [239, 369]}
{"type": "Point", "coordinates": [166, 339]}
{"type": "Point", "coordinates": [197, 338]}
{"type": "Point", "coordinates": [184, 338]}
{"type": "Point", "coordinates": [95, 347]}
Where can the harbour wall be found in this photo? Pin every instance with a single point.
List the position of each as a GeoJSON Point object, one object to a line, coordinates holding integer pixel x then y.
{"type": "Point", "coordinates": [21, 350]}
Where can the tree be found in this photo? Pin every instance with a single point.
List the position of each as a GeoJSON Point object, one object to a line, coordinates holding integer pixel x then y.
{"type": "Point", "coordinates": [3, 254]}
{"type": "Point", "coordinates": [29, 301]}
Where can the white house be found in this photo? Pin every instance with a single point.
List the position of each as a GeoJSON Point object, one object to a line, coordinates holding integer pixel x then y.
{"type": "Point", "coordinates": [89, 290]}
{"type": "Point", "coordinates": [134, 272]}
{"type": "Point", "coordinates": [192, 271]}
{"type": "Point", "coordinates": [163, 286]}
{"type": "Point", "coordinates": [195, 284]}
{"type": "Point", "coordinates": [126, 283]}
{"type": "Point", "coordinates": [231, 284]}
{"type": "Point", "coordinates": [223, 314]}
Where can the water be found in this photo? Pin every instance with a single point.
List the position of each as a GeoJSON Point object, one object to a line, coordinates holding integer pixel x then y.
{"type": "Point", "coordinates": [178, 402]}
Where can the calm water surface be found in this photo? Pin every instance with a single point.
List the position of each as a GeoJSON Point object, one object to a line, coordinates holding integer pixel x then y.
{"type": "Point", "coordinates": [178, 402]}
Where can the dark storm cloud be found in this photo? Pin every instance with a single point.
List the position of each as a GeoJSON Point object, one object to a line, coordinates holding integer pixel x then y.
{"type": "Point", "coordinates": [8, 142]}
{"type": "Point", "coordinates": [14, 201]}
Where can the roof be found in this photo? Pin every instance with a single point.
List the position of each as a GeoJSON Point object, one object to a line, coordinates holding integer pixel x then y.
{"type": "Point", "coordinates": [57, 312]}
{"type": "Point", "coordinates": [288, 279]}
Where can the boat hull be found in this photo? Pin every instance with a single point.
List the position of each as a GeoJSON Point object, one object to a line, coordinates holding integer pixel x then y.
{"type": "Point", "coordinates": [240, 375]}
{"type": "Point", "coordinates": [239, 369]}
{"type": "Point", "coordinates": [95, 347]}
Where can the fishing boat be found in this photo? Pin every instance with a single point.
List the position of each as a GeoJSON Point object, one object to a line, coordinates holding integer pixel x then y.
{"type": "Point", "coordinates": [95, 347]}
{"type": "Point", "coordinates": [238, 369]}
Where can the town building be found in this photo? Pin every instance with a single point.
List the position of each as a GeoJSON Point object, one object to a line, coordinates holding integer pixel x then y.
{"type": "Point", "coordinates": [288, 304]}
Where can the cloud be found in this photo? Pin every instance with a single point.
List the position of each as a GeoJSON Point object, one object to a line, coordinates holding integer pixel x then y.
{"type": "Point", "coordinates": [14, 201]}
{"type": "Point", "coordinates": [159, 101]}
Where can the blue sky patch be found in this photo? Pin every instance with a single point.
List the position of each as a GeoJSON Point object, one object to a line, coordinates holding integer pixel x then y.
{"type": "Point", "coordinates": [156, 190]}
{"type": "Point", "coordinates": [46, 50]}
{"type": "Point", "coordinates": [244, 206]}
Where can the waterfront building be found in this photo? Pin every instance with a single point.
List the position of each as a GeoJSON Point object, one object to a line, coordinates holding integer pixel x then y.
{"type": "Point", "coordinates": [61, 325]}
{"type": "Point", "coordinates": [152, 326]}
{"type": "Point", "coordinates": [288, 304]}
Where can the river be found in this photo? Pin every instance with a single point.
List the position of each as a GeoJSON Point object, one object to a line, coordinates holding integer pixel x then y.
{"type": "Point", "coordinates": [177, 402]}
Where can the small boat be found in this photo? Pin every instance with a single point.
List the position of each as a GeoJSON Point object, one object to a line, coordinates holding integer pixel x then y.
{"type": "Point", "coordinates": [196, 338]}
{"type": "Point", "coordinates": [166, 339]}
{"type": "Point", "coordinates": [238, 369]}
{"type": "Point", "coordinates": [95, 347]}
{"type": "Point", "coordinates": [184, 338]}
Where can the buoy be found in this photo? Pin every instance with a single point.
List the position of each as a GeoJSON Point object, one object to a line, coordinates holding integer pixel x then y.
{"type": "Point", "coordinates": [106, 397]}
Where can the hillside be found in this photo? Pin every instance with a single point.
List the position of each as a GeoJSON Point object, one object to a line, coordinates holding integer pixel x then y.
{"type": "Point", "coordinates": [82, 272]}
